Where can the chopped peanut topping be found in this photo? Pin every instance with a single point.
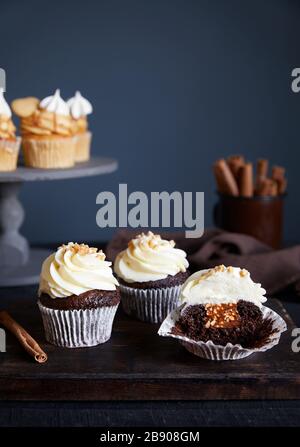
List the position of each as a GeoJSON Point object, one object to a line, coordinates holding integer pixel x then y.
{"type": "Point", "coordinates": [151, 240]}
{"type": "Point", "coordinates": [83, 249]}
{"type": "Point", "coordinates": [221, 268]}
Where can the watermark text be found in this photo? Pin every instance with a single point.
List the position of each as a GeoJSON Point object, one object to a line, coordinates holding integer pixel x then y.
{"type": "Point", "coordinates": [184, 210]}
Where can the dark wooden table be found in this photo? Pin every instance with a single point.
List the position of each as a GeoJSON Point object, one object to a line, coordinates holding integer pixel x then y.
{"type": "Point", "coordinates": [138, 378]}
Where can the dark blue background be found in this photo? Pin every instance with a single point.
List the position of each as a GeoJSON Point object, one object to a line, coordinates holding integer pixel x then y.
{"type": "Point", "coordinates": [174, 84]}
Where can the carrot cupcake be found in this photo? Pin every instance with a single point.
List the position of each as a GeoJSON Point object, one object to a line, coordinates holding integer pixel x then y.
{"type": "Point", "coordinates": [9, 143]}
{"type": "Point", "coordinates": [151, 272]}
{"type": "Point", "coordinates": [222, 316]}
{"type": "Point", "coordinates": [46, 129]}
{"type": "Point", "coordinates": [78, 296]}
{"type": "Point", "coordinates": [79, 109]}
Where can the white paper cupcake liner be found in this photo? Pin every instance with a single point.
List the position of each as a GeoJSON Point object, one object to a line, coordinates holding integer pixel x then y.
{"type": "Point", "coordinates": [9, 152]}
{"type": "Point", "coordinates": [151, 305]}
{"type": "Point", "coordinates": [11, 146]}
{"type": "Point", "coordinates": [209, 350]}
{"type": "Point", "coordinates": [78, 328]}
{"type": "Point", "coordinates": [82, 146]}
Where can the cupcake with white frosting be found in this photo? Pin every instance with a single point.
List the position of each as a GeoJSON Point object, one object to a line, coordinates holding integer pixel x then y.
{"type": "Point", "coordinates": [221, 315]}
{"type": "Point", "coordinates": [9, 143]}
{"type": "Point", "coordinates": [46, 129]}
{"type": "Point", "coordinates": [151, 272]}
{"type": "Point", "coordinates": [78, 296]}
{"type": "Point", "coordinates": [80, 108]}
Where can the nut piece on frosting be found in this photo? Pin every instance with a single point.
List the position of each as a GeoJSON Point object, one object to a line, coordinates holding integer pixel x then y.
{"type": "Point", "coordinates": [150, 239]}
{"type": "Point", "coordinates": [82, 249]}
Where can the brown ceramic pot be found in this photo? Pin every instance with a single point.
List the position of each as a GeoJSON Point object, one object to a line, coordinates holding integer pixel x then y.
{"type": "Point", "coordinates": [261, 217]}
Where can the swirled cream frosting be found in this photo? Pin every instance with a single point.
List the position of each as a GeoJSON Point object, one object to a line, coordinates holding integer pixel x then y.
{"type": "Point", "coordinates": [79, 108]}
{"type": "Point", "coordinates": [7, 127]}
{"type": "Point", "coordinates": [55, 104]}
{"type": "Point", "coordinates": [75, 269]}
{"type": "Point", "coordinates": [148, 257]}
{"type": "Point", "coordinates": [4, 107]}
{"type": "Point", "coordinates": [221, 285]}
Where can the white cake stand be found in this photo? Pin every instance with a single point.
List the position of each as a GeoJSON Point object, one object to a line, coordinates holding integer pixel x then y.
{"type": "Point", "coordinates": [20, 264]}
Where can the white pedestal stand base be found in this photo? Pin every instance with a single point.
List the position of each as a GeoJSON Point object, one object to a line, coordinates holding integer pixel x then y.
{"type": "Point", "coordinates": [26, 274]}
{"type": "Point", "coordinates": [19, 264]}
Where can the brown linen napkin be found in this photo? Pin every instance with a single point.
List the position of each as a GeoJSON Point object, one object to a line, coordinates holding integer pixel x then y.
{"type": "Point", "coordinates": [276, 270]}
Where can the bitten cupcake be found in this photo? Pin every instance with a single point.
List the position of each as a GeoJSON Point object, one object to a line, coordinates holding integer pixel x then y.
{"type": "Point", "coordinates": [222, 317]}
{"type": "Point", "coordinates": [46, 129]}
{"type": "Point", "coordinates": [78, 296]}
{"type": "Point", "coordinates": [79, 109]}
{"type": "Point", "coordinates": [151, 272]}
{"type": "Point", "coordinates": [9, 143]}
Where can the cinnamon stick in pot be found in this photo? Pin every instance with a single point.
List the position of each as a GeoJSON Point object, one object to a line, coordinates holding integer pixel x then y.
{"type": "Point", "coordinates": [219, 178]}
{"type": "Point", "coordinates": [235, 162]}
{"type": "Point", "coordinates": [28, 343]}
{"type": "Point", "coordinates": [267, 187]}
{"type": "Point", "coordinates": [278, 172]}
{"type": "Point", "coordinates": [225, 180]}
{"type": "Point", "coordinates": [273, 188]}
{"type": "Point", "coordinates": [262, 168]}
{"type": "Point", "coordinates": [246, 180]}
{"type": "Point", "coordinates": [282, 185]}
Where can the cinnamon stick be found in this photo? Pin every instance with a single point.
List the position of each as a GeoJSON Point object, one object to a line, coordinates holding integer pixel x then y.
{"type": "Point", "coordinates": [278, 172]}
{"type": "Point", "coordinates": [219, 178]}
{"type": "Point", "coordinates": [235, 162]}
{"type": "Point", "coordinates": [273, 188]}
{"type": "Point", "coordinates": [267, 187]}
{"type": "Point", "coordinates": [262, 168]}
{"type": "Point", "coordinates": [282, 185]}
{"type": "Point", "coordinates": [225, 180]}
{"type": "Point", "coordinates": [28, 343]}
{"type": "Point", "coordinates": [246, 180]}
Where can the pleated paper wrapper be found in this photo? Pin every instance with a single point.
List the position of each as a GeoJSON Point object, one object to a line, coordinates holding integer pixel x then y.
{"type": "Point", "coordinates": [151, 305]}
{"type": "Point", "coordinates": [208, 350]}
{"type": "Point", "coordinates": [51, 153]}
{"type": "Point", "coordinates": [83, 146]}
{"type": "Point", "coordinates": [9, 152]}
{"type": "Point", "coordinates": [78, 328]}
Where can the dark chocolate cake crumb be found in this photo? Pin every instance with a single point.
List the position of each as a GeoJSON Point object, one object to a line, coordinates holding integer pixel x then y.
{"type": "Point", "coordinates": [169, 281]}
{"type": "Point", "coordinates": [87, 300]}
{"type": "Point", "coordinates": [252, 332]}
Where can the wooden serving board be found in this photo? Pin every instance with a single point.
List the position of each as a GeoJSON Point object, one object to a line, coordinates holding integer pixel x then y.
{"type": "Point", "coordinates": [137, 364]}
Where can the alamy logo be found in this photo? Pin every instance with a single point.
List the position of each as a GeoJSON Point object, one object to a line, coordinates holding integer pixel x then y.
{"type": "Point", "coordinates": [155, 210]}
{"type": "Point", "coordinates": [296, 341]}
{"type": "Point", "coordinates": [2, 79]}
{"type": "Point", "coordinates": [2, 340]}
{"type": "Point", "coordinates": [295, 85]}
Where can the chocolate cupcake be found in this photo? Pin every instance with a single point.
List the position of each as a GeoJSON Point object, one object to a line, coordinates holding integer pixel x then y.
{"type": "Point", "coordinates": [221, 315]}
{"type": "Point", "coordinates": [151, 272]}
{"type": "Point", "coordinates": [78, 296]}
